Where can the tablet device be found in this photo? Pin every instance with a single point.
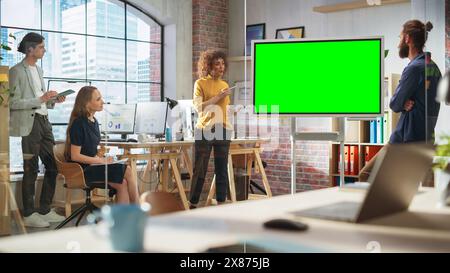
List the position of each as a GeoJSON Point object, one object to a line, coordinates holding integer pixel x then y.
{"type": "Point", "coordinates": [65, 93]}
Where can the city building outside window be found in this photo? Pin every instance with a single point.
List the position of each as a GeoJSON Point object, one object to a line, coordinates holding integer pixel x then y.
{"type": "Point", "coordinates": [106, 43]}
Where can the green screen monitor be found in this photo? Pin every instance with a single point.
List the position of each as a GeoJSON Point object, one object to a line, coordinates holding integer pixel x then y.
{"type": "Point", "coordinates": [334, 77]}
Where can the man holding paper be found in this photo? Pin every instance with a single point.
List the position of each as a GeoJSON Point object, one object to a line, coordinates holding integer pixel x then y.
{"type": "Point", "coordinates": [29, 104]}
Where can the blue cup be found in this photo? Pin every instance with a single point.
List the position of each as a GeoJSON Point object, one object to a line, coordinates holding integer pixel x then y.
{"type": "Point", "coordinates": [126, 226]}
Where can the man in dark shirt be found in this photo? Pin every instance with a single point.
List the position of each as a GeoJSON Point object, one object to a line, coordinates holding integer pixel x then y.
{"type": "Point", "coordinates": [416, 92]}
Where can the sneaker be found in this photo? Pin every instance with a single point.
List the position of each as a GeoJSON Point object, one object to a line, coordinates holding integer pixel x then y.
{"type": "Point", "coordinates": [34, 220]}
{"type": "Point", "coordinates": [52, 217]}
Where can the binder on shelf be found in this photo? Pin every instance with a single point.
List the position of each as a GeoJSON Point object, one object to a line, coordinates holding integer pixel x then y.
{"type": "Point", "coordinates": [373, 131]}
{"type": "Point", "coordinates": [347, 180]}
{"type": "Point", "coordinates": [354, 160]}
{"type": "Point", "coordinates": [346, 162]}
{"type": "Point", "coordinates": [379, 130]}
{"type": "Point", "coordinates": [352, 131]}
{"type": "Point", "coordinates": [370, 152]}
{"type": "Point", "coordinates": [386, 131]}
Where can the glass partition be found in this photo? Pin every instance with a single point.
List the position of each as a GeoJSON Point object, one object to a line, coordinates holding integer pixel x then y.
{"type": "Point", "coordinates": [108, 44]}
{"type": "Point", "coordinates": [410, 108]}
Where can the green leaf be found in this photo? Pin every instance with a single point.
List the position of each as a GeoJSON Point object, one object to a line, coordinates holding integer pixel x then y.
{"type": "Point", "coordinates": [386, 52]}
{"type": "Point", "coordinates": [12, 36]}
{"type": "Point", "coordinates": [5, 47]}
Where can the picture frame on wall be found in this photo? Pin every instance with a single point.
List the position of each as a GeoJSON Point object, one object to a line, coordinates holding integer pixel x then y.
{"type": "Point", "coordinates": [253, 32]}
{"type": "Point", "coordinates": [290, 33]}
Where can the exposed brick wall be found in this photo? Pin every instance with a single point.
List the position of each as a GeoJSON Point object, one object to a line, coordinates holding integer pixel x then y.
{"type": "Point", "coordinates": [155, 61]}
{"type": "Point", "coordinates": [209, 28]}
{"type": "Point", "coordinates": [312, 162]}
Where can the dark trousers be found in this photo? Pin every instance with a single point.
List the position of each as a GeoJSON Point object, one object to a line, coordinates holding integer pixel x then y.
{"type": "Point", "coordinates": [39, 143]}
{"type": "Point", "coordinates": [203, 146]}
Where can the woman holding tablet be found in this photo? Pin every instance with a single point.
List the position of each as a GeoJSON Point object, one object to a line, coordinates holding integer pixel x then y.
{"type": "Point", "coordinates": [83, 137]}
{"type": "Point", "coordinates": [211, 98]}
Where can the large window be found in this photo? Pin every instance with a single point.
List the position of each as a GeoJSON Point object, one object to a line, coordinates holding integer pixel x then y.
{"type": "Point", "coordinates": [106, 43]}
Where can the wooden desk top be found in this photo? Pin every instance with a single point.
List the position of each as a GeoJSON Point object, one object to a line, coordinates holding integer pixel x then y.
{"type": "Point", "coordinates": [173, 144]}
{"type": "Point", "coordinates": [196, 230]}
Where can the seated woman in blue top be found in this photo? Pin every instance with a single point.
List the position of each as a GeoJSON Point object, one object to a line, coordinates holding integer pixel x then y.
{"type": "Point", "coordinates": [83, 137]}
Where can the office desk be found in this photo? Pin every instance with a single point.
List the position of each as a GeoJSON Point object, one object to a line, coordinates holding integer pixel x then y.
{"type": "Point", "coordinates": [196, 230]}
{"type": "Point", "coordinates": [169, 152]}
{"type": "Point", "coordinates": [165, 152]}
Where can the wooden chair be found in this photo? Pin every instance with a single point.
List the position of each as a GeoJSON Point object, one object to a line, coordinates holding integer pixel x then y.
{"type": "Point", "coordinates": [161, 202]}
{"type": "Point", "coordinates": [74, 179]}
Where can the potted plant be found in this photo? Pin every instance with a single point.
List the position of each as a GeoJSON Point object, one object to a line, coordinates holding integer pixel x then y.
{"type": "Point", "coordinates": [4, 91]}
{"type": "Point", "coordinates": [441, 169]}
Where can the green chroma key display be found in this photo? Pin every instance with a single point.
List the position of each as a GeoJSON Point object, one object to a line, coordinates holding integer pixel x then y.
{"type": "Point", "coordinates": [318, 77]}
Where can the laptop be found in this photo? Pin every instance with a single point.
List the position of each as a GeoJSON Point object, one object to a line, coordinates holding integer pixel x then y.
{"type": "Point", "coordinates": [394, 181]}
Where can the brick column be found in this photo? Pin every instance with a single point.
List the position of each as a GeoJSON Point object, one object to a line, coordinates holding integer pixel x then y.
{"type": "Point", "coordinates": [209, 28]}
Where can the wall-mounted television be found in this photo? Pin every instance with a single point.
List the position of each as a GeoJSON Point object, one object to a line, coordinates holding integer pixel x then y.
{"type": "Point", "coordinates": [318, 77]}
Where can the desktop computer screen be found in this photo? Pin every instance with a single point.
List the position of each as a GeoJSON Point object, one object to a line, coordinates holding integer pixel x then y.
{"type": "Point", "coordinates": [150, 118]}
{"type": "Point", "coordinates": [183, 116]}
{"type": "Point", "coordinates": [117, 118]}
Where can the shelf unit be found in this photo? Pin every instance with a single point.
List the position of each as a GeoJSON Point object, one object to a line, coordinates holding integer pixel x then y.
{"type": "Point", "coordinates": [358, 135]}
{"type": "Point", "coordinates": [239, 58]}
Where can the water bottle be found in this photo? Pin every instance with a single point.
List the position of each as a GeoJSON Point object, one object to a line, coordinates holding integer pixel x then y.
{"type": "Point", "coordinates": [168, 134]}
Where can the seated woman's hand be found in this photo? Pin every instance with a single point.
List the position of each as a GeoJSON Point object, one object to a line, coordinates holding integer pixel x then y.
{"type": "Point", "coordinates": [106, 160]}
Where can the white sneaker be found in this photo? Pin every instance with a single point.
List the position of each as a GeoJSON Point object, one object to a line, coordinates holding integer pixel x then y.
{"type": "Point", "coordinates": [52, 217]}
{"type": "Point", "coordinates": [35, 220]}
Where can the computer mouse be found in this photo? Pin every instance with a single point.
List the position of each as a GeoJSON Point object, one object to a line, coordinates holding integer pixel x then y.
{"type": "Point", "coordinates": [285, 224]}
{"type": "Point", "coordinates": [131, 140]}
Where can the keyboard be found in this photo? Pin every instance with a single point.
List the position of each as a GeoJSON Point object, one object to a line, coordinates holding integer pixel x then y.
{"type": "Point", "coordinates": [114, 140]}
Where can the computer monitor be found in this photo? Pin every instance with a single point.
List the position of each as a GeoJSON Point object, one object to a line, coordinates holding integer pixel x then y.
{"type": "Point", "coordinates": [319, 77]}
{"type": "Point", "coordinates": [117, 118]}
{"type": "Point", "coordinates": [150, 118]}
{"type": "Point", "coordinates": [183, 116]}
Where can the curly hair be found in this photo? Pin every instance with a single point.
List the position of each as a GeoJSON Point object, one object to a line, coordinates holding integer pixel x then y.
{"type": "Point", "coordinates": [418, 31]}
{"type": "Point", "coordinates": [206, 61]}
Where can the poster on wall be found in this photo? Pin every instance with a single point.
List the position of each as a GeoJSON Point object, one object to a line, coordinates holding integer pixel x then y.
{"type": "Point", "coordinates": [290, 33]}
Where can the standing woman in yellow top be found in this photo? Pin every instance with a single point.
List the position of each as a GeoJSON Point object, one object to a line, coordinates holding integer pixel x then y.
{"type": "Point", "coordinates": [211, 98]}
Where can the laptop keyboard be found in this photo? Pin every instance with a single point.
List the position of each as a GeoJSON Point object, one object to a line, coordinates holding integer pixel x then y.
{"type": "Point", "coordinates": [341, 211]}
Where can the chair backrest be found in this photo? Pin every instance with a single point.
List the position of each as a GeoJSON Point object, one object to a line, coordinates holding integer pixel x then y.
{"type": "Point", "coordinates": [72, 172]}
{"type": "Point", "coordinates": [161, 202]}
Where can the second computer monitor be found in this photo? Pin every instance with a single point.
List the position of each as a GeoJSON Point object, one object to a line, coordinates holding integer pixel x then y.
{"type": "Point", "coordinates": [150, 118]}
{"type": "Point", "coordinates": [117, 118]}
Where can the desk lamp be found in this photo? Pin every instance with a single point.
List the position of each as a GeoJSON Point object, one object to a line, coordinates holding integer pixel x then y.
{"type": "Point", "coordinates": [170, 104]}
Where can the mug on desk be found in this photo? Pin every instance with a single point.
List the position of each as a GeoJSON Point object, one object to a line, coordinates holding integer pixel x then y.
{"type": "Point", "coordinates": [126, 225]}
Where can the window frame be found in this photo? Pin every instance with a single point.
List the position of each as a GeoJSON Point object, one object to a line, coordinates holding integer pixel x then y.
{"type": "Point", "coordinates": [125, 39]}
